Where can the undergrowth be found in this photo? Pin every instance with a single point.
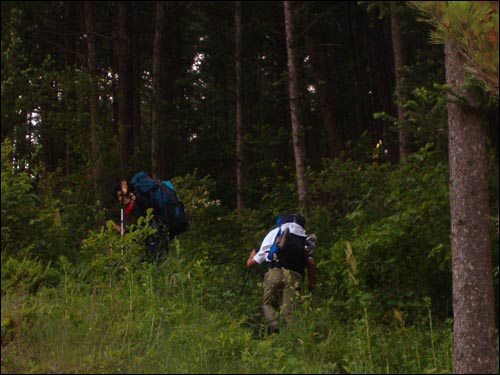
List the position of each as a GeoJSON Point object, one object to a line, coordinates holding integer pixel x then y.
{"type": "Point", "coordinates": [166, 319]}
{"type": "Point", "coordinates": [381, 305]}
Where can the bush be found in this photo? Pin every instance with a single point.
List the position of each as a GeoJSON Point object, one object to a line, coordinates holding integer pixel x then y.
{"type": "Point", "coordinates": [42, 218]}
{"type": "Point", "coordinates": [396, 219]}
{"type": "Point", "coordinates": [27, 274]}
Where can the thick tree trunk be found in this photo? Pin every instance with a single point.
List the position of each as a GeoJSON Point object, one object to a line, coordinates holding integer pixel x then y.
{"type": "Point", "coordinates": [295, 112]}
{"type": "Point", "coordinates": [240, 178]}
{"type": "Point", "coordinates": [473, 303]}
{"type": "Point", "coordinates": [399, 64]}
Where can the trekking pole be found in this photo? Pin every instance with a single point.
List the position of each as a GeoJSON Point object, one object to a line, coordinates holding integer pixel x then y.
{"type": "Point", "coordinates": [244, 281]}
{"type": "Point", "coordinates": [122, 229]}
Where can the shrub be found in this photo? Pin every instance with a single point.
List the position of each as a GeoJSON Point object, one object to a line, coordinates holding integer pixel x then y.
{"type": "Point", "coordinates": [396, 219]}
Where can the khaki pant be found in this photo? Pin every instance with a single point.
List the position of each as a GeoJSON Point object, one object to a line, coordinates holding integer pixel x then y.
{"type": "Point", "coordinates": [275, 281]}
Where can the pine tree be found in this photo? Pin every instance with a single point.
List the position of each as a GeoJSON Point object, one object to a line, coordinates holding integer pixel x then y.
{"type": "Point", "coordinates": [457, 23]}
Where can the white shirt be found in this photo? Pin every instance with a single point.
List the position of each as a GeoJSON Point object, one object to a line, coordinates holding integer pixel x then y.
{"type": "Point", "coordinates": [267, 243]}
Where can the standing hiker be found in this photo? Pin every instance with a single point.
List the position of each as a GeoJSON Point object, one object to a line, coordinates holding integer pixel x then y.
{"type": "Point", "coordinates": [287, 252]}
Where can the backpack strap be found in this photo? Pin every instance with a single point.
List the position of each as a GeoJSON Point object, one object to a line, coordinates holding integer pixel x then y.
{"type": "Point", "coordinates": [279, 243]}
{"type": "Point", "coordinates": [170, 193]}
{"type": "Point", "coordinates": [274, 248]}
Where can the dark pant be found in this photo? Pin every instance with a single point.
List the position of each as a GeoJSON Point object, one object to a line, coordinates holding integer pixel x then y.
{"type": "Point", "coordinates": [157, 244]}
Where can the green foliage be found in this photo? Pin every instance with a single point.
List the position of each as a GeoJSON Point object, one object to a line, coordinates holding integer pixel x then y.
{"type": "Point", "coordinates": [425, 100]}
{"type": "Point", "coordinates": [381, 229]}
{"type": "Point", "coordinates": [474, 26]}
{"type": "Point", "coordinates": [41, 219]}
{"type": "Point", "coordinates": [396, 219]}
{"type": "Point", "coordinates": [152, 319]}
{"type": "Point", "coordinates": [107, 253]}
{"type": "Point", "coordinates": [202, 209]}
{"type": "Point", "coordinates": [27, 274]}
{"type": "Point", "coordinates": [211, 225]}
{"type": "Point", "coordinates": [425, 116]}
{"type": "Point", "coordinates": [19, 205]}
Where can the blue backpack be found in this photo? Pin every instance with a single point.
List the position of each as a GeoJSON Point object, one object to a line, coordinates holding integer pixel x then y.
{"type": "Point", "coordinates": [164, 199]}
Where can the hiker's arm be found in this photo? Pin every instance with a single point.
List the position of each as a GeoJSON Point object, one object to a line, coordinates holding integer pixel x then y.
{"type": "Point", "coordinates": [250, 261]}
{"type": "Point", "coordinates": [311, 271]}
{"type": "Point", "coordinates": [112, 224]}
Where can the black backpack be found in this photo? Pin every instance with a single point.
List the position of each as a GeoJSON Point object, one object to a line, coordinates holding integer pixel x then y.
{"type": "Point", "coordinates": [288, 250]}
{"type": "Point", "coordinates": [163, 197]}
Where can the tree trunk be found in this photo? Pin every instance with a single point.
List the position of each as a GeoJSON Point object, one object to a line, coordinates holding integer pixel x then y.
{"type": "Point", "coordinates": [69, 97]}
{"type": "Point", "coordinates": [280, 124]}
{"type": "Point", "coordinates": [125, 114]}
{"type": "Point", "coordinates": [158, 114]}
{"type": "Point", "coordinates": [473, 303]}
{"type": "Point", "coordinates": [95, 152]}
{"type": "Point", "coordinates": [364, 107]}
{"type": "Point", "coordinates": [320, 65]}
{"type": "Point", "coordinates": [295, 112]}
{"type": "Point", "coordinates": [240, 178]}
{"type": "Point", "coordinates": [399, 64]}
{"type": "Point", "coordinates": [135, 77]}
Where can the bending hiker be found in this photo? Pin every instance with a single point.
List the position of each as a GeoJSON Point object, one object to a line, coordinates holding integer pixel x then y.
{"type": "Point", "coordinates": [133, 205]}
{"type": "Point", "coordinates": [169, 218]}
{"type": "Point", "coordinates": [287, 252]}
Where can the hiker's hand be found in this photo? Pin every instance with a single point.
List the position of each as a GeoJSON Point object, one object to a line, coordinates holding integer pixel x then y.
{"type": "Point", "coordinates": [250, 261]}
{"type": "Point", "coordinates": [111, 224]}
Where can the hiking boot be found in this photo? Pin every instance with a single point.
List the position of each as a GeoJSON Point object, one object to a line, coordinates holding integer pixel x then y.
{"type": "Point", "coordinates": [272, 331]}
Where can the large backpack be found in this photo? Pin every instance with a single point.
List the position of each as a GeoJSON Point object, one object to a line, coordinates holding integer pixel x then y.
{"type": "Point", "coordinates": [289, 249]}
{"type": "Point", "coordinates": [166, 203]}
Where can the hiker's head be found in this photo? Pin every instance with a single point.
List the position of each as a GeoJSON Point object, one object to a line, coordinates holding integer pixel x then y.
{"type": "Point", "coordinates": [120, 191]}
{"type": "Point", "coordinates": [291, 218]}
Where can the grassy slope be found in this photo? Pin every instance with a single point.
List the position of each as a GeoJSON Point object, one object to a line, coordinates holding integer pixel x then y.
{"type": "Point", "coordinates": [167, 319]}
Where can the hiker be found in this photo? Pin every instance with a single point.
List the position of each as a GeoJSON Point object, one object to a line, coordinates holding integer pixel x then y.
{"type": "Point", "coordinates": [162, 196]}
{"type": "Point", "coordinates": [169, 217]}
{"type": "Point", "coordinates": [287, 251]}
{"type": "Point", "coordinates": [135, 205]}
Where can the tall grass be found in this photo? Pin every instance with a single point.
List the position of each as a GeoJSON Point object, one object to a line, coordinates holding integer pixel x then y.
{"type": "Point", "coordinates": [165, 319]}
